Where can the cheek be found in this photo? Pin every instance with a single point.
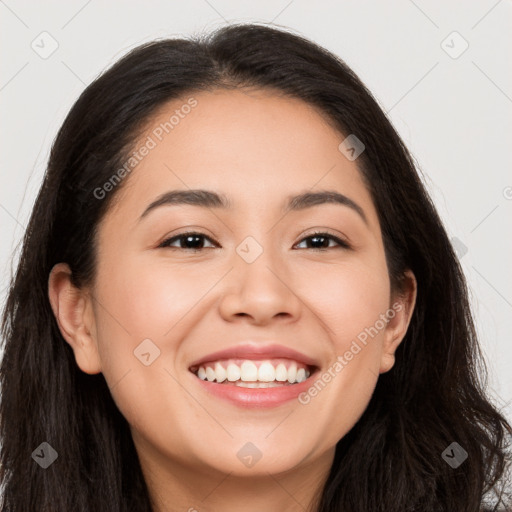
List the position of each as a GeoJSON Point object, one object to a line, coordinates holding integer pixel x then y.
{"type": "Point", "coordinates": [147, 300]}
{"type": "Point", "coordinates": [133, 305]}
{"type": "Point", "coordinates": [348, 299]}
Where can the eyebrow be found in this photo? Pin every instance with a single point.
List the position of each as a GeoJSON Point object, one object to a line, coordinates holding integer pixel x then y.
{"type": "Point", "coordinates": [209, 199]}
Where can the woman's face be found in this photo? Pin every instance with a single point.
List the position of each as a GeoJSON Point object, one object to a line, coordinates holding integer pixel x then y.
{"type": "Point", "coordinates": [256, 279]}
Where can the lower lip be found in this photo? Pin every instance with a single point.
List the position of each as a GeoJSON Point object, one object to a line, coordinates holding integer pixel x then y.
{"type": "Point", "coordinates": [255, 397]}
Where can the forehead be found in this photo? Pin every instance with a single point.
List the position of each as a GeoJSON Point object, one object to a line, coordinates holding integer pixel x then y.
{"type": "Point", "coordinates": [255, 147]}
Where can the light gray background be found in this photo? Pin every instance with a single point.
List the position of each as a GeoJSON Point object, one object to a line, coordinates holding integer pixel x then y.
{"type": "Point", "coordinates": [453, 113]}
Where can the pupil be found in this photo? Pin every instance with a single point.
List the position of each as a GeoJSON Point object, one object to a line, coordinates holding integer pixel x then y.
{"type": "Point", "coordinates": [315, 238]}
{"type": "Point", "coordinates": [196, 237]}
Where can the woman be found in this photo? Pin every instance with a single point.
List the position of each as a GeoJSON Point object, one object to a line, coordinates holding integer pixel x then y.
{"type": "Point", "coordinates": [235, 294]}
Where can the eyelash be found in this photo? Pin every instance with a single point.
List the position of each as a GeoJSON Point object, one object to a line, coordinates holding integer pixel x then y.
{"type": "Point", "coordinates": [341, 243]}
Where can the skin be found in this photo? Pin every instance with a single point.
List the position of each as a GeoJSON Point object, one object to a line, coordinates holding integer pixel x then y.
{"type": "Point", "coordinates": [257, 148]}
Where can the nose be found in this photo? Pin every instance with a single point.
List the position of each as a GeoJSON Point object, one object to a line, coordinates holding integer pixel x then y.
{"type": "Point", "coordinates": [260, 291]}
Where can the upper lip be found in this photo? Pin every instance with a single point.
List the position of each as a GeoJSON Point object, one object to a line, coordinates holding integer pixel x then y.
{"type": "Point", "coordinates": [257, 351]}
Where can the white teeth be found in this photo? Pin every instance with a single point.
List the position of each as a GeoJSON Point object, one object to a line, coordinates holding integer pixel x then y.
{"type": "Point", "coordinates": [248, 371]}
{"type": "Point", "coordinates": [266, 373]}
{"type": "Point", "coordinates": [233, 372]}
{"type": "Point", "coordinates": [301, 375]}
{"type": "Point", "coordinates": [281, 373]}
{"type": "Point", "coordinates": [210, 374]}
{"type": "Point", "coordinates": [292, 373]}
{"type": "Point", "coordinates": [220, 373]}
{"type": "Point", "coordinates": [250, 375]}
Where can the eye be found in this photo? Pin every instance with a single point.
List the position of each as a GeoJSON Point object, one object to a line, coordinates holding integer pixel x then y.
{"type": "Point", "coordinates": [319, 239]}
{"type": "Point", "coordinates": [188, 241]}
{"type": "Point", "coordinates": [194, 241]}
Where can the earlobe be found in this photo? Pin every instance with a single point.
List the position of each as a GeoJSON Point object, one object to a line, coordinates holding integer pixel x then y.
{"type": "Point", "coordinates": [387, 362]}
{"type": "Point", "coordinates": [403, 307]}
{"type": "Point", "coordinates": [73, 313]}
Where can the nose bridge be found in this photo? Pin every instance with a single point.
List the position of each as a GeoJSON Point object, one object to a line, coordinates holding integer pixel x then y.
{"type": "Point", "coordinates": [258, 260]}
{"type": "Point", "coordinates": [259, 285]}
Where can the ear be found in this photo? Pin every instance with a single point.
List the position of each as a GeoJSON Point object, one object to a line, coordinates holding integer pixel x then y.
{"type": "Point", "coordinates": [403, 307]}
{"type": "Point", "coordinates": [73, 311]}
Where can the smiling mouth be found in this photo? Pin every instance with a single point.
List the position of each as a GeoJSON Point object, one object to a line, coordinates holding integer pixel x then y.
{"type": "Point", "coordinates": [248, 373]}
